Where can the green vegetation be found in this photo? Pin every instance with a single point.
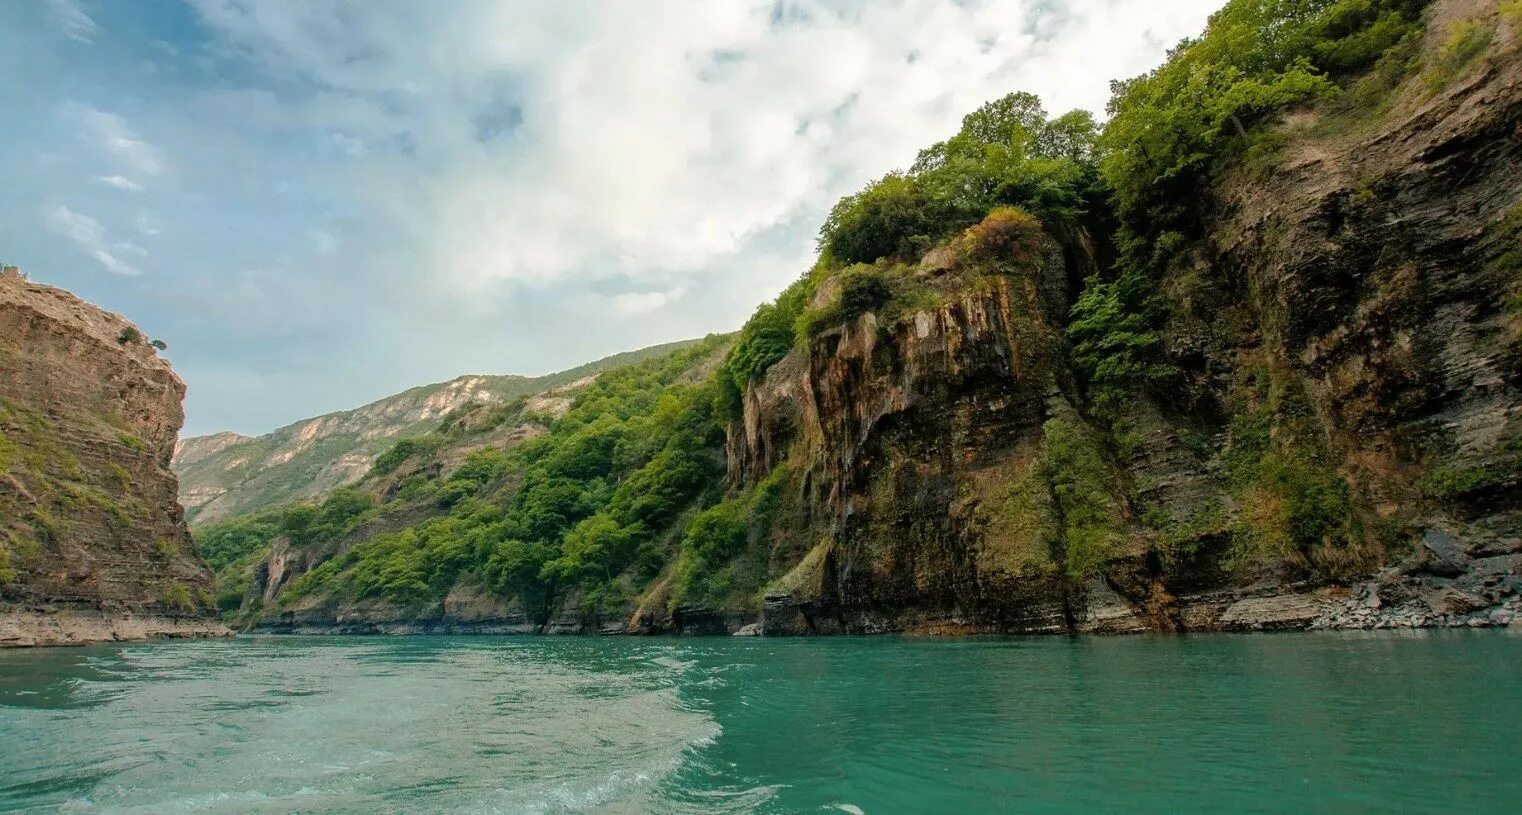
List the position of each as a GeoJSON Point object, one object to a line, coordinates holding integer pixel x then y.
{"type": "Point", "coordinates": [1008, 159]}
{"type": "Point", "coordinates": [1450, 483]}
{"type": "Point", "coordinates": [1083, 488]}
{"type": "Point", "coordinates": [11, 546]}
{"type": "Point", "coordinates": [233, 583]}
{"type": "Point", "coordinates": [178, 598]}
{"type": "Point", "coordinates": [1170, 130]}
{"type": "Point", "coordinates": [227, 542]}
{"type": "Point", "coordinates": [764, 341]}
{"type": "Point", "coordinates": [865, 288]}
{"type": "Point", "coordinates": [1056, 511]}
{"type": "Point", "coordinates": [132, 441]}
{"type": "Point", "coordinates": [708, 568]}
{"type": "Point", "coordinates": [388, 461]}
{"type": "Point", "coordinates": [893, 217]}
{"type": "Point", "coordinates": [1008, 153]}
{"type": "Point", "coordinates": [44, 525]}
{"type": "Point", "coordinates": [1511, 11]}
{"type": "Point", "coordinates": [1021, 518]}
{"type": "Point", "coordinates": [584, 510]}
{"type": "Point", "coordinates": [1466, 41]}
{"type": "Point", "coordinates": [1178, 537]}
{"type": "Point", "coordinates": [129, 335]}
{"type": "Point", "coordinates": [1117, 340]}
{"type": "Point", "coordinates": [1295, 505]}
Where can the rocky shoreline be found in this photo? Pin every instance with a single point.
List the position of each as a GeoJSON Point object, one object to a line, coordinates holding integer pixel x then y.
{"type": "Point", "coordinates": [1439, 586]}
{"type": "Point", "coordinates": [31, 626]}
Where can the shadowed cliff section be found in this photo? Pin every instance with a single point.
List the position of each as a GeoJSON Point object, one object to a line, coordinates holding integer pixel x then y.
{"type": "Point", "coordinates": [1316, 418]}
{"type": "Point", "coordinates": [93, 544]}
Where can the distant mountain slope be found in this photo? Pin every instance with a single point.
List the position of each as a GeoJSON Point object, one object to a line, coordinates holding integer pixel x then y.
{"type": "Point", "coordinates": [226, 474]}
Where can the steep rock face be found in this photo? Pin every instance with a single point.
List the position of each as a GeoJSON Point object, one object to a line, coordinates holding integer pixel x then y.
{"type": "Point", "coordinates": [920, 450]}
{"type": "Point", "coordinates": [93, 545]}
{"type": "Point", "coordinates": [1356, 299]}
{"type": "Point", "coordinates": [1375, 268]}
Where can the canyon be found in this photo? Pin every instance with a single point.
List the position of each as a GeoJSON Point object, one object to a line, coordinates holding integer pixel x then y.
{"type": "Point", "coordinates": [1284, 392]}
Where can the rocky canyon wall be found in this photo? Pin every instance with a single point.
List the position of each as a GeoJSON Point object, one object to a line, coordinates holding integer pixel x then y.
{"type": "Point", "coordinates": [93, 543]}
{"type": "Point", "coordinates": [1339, 443]}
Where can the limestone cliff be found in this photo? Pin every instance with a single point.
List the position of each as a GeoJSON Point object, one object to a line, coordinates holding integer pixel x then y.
{"type": "Point", "coordinates": [93, 544]}
{"type": "Point", "coordinates": [1348, 331]}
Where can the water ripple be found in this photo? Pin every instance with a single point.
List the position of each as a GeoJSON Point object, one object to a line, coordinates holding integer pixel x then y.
{"type": "Point", "coordinates": [1347, 723]}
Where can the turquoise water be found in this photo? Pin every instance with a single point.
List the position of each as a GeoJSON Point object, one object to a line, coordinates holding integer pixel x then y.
{"type": "Point", "coordinates": [1412, 722]}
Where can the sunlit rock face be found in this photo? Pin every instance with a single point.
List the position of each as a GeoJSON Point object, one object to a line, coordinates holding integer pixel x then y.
{"type": "Point", "coordinates": [93, 543]}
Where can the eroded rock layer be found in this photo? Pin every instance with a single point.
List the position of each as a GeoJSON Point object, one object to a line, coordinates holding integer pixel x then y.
{"type": "Point", "coordinates": [1353, 304]}
{"type": "Point", "coordinates": [93, 543]}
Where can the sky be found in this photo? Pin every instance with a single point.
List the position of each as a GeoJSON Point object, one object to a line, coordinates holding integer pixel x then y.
{"type": "Point", "coordinates": [318, 204]}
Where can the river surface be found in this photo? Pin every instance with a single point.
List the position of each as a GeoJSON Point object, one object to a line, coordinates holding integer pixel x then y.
{"type": "Point", "coordinates": [1335, 722]}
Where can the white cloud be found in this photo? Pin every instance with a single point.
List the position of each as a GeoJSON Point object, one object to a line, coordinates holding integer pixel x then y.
{"type": "Point", "coordinates": [120, 182]}
{"type": "Point", "coordinates": [82, 229]}
{"type": "Point", "coordinates": [114, 264]}
{"type": "Point", "coordinates": [535, 142]}
{"type": "Point", "coordinates": [633, 303]}
{"type": "Point", "coordinates": [415, 193]}
{"type": "Point", "coordinates": [68, 17]}
{"type": "Point", "coordinates": [116, 138]}
{"type": "Point", "coordinates": [87, 234]}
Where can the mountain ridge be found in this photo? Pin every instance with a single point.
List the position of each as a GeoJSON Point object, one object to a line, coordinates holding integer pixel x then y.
{"type": "Point", "coordinates": [227, 473]}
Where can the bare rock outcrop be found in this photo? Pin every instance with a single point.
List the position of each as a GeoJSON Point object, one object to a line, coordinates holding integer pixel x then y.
{"type": "Point", "coordinates": [93, 543]}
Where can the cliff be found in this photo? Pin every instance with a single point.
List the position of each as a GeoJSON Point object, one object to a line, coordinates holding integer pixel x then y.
{"type": "Point", "coordinates": [1247, 357]}
{"type": "Point", "coordinates": [93, 544]}
{"type": "Point", "coordinates": [1337, 445]}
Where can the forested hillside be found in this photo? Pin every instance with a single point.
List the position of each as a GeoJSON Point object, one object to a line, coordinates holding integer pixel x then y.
{"type": "Point", "coordinates": [226, 474]}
